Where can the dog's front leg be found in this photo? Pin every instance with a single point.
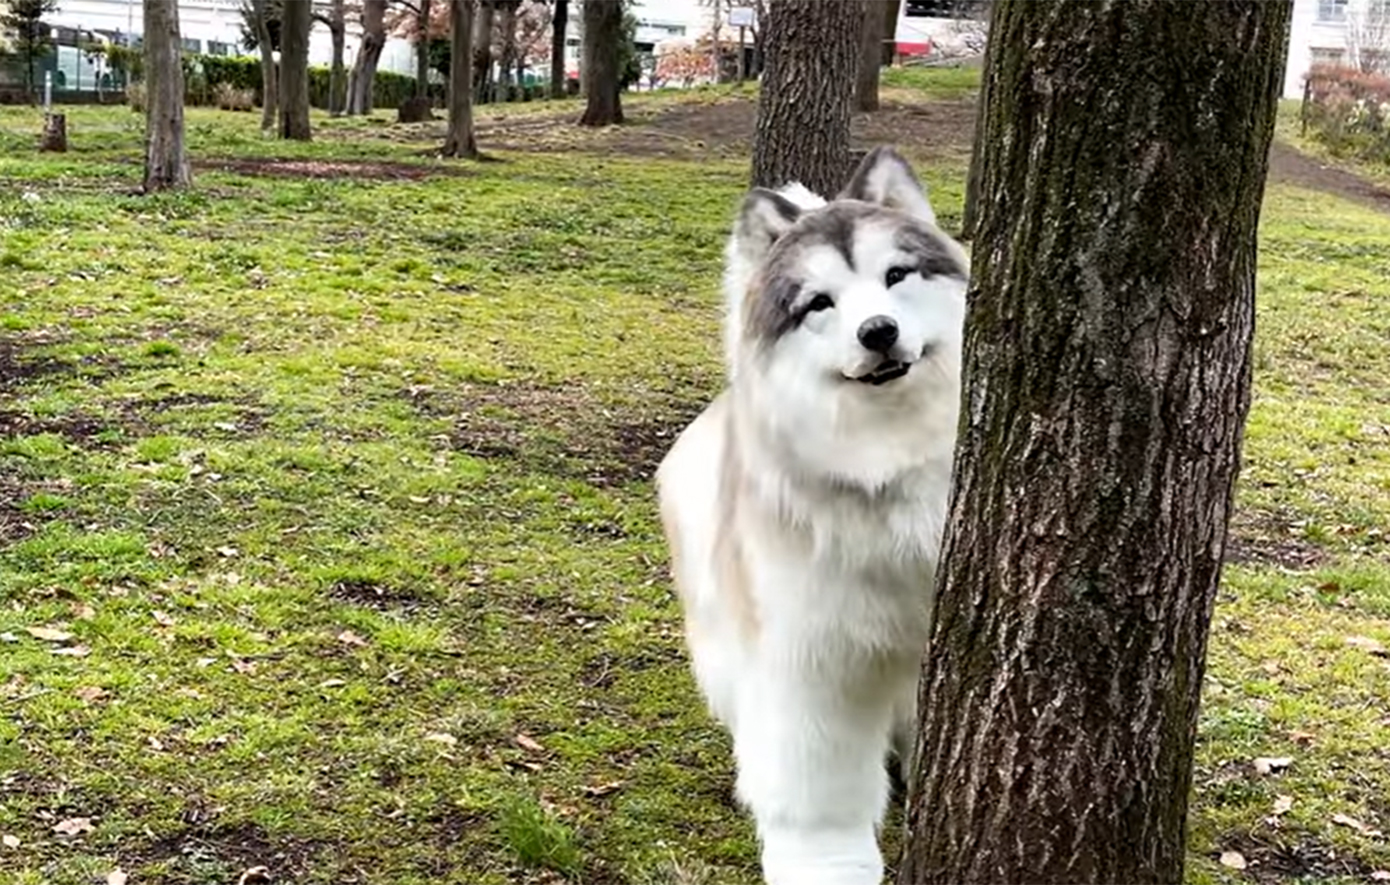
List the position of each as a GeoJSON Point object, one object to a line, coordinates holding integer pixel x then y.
{"type": "Point", "coordinates": [810, 768]}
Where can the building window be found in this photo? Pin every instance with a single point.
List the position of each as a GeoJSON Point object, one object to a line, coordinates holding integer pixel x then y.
{"type": "Point", "coordinates": [191, 44]}
{"type": "Point", "coordinates": [1332, 10]}
{"type": "Point", "coordinates": [216, 48]}
{"type": "Point", "coordinates": [1328, 56]}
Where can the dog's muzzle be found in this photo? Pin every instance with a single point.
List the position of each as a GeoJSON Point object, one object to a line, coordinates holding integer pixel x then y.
{"type": "Point", "coordinates": [892, 369]}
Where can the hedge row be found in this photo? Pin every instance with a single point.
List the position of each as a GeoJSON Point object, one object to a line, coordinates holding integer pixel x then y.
{"type": "Point", "coordinates": [206, 73]}
{"type": "Point", "coordinates": [1349, 110]}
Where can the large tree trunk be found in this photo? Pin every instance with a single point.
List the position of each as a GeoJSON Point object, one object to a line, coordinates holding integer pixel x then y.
{"type": "Point", "coordinates": [559, 20]}
{"type": "Point", "coordinates": [368, 56]}
{"type": "Point", "coordinates": [270, 91]}
{"type": "Point", "coordinates": [870, 56]}
{"type": "Point", "coordinates": [460, 142]}
{"type": "Point", "coordinates": [603, 34]}
{"type": "Point", "coordinates": [812, 57]}
{"type": "Point", "coordinates": [482, 52]}
{"type": "Point", "coordinates": [294, 70]}
{"type": "Point", "coordinates": [166, 159]}
{"type": "Point", "coordinates": [337, 29]}
{"type": "Point", "coordinates": [1107, 379]}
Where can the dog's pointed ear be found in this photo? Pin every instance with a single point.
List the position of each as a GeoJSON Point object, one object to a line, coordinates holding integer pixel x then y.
{"type": "Point", "coordinates": [765, 216]}
{"type": "Point", "coordinates": [884, 178]}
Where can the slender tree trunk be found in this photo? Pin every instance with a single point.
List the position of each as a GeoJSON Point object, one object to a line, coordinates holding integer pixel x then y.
{"type": "Point", "coordinates": [337, 74]}
{"type": "Point", "coordinates": [603, 33]}
{"type": "Point", "coordinates": [166, 158]}
{"type": "Point", "coordinates": [508, 59]}
{"type": "Point", "coordinates": [1107, 379]}
{"type": "Point", "coordinates": [460, 141]}
{"type": "Point", "coordinates": [890, 10]}
{"type": "Point", "coordinates": [422, 52]}
{"type": "Point", "coordinates": [368, 56]}
{"type": "Point", "coordinates": [482, 52]}
{"type": "Point", "coordinates": [270, 90]}
{"type": "Point", "coordinates": [970, 217]}
{"type": "Point", "coordinates": [812, 57]}
{"type": "Point", "coordinates": [870, 56]}
{"type": "Point", "coordinates": [559, 20]}
{"type": "Point", "coordinates": [294, 70]}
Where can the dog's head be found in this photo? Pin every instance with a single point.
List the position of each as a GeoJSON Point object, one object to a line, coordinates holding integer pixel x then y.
{"type": "Point", "coordinates": [864, 292]}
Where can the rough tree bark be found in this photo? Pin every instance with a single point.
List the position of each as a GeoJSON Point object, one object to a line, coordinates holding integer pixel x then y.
{"type": "Point", "coordinates": [812, 56]}
{"type": "Point", "coordinates": [368, 56]}
{"type": "Point", "coordinates": [603, 34]}
{"type": "Point", "coordinates": [559, 20]}
{"type": "Point", "coordinates": [460, 141]}
{"type": "Point", "coordinates": [294, 70]}
{"type": "Point", "coordinates": [482, 52]}
{"type": "Point", "coordinates": [270, 91]}
{"type": "Point", "coordinates": [1106, 381]}
{"type": "Point", "coordinates": [870, 55]}
{"type": "Point", "coordinates": [166, 158]}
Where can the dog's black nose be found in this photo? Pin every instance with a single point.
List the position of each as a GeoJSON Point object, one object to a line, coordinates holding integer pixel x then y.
{"type": "Point", "coordinates": [878, 333]}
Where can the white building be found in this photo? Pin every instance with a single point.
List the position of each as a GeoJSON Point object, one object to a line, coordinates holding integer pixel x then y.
{"type": "Point", "coordinates": [1350, 32]}
{"type": "Point", "coordinates": [214, 27]}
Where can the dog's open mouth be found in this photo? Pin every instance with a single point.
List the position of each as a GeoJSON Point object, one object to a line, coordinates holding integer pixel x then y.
{"type": "Point", "coordinates": [888, 370]}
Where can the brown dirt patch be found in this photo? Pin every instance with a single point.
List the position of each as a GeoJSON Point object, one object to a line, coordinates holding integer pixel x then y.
{"type": "Point", "coordinates": [1273, 858]}
{"type": "Point", "coordinates": [723, 129]}
{"type": "Point", "coordinates": [1265, 538]}
{"type": "Point", "coordinates": [363, 170]}
{"type": "Point", "coordinates": [190, 853]}
{"type": "Point", "coordinates": [1290, 166]}
{"type": "Point", "coordinates": [565, 431]}
{"type": "Point", "coordinates": [375, 595]}
{"type": "Point", "coordinates": [15, 525]}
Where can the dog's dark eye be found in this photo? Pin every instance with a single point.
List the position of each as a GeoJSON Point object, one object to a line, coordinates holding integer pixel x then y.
{"type": "Point", "coordinates": [896, 275]}
{"type": "Point", "coordinates": [820, 302]}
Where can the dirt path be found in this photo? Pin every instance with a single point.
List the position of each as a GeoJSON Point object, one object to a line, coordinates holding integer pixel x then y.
{"type": "Point", "coordinates": [1290, 166]}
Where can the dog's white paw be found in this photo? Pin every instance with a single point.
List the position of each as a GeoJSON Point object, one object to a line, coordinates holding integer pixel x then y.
{"type": "Point", "coordinates": [821, 858]}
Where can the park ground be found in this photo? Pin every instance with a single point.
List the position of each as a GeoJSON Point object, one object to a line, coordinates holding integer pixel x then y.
{"type": "Point", "coordinates": [327, 541]}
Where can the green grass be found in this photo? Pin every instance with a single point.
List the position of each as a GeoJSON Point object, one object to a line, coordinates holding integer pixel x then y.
{"type": "Point", "coordinates": [340, 488]}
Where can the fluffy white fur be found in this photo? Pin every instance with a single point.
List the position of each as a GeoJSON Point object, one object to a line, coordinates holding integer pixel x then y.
{"type": "Point", "coordinates": [804, 511]}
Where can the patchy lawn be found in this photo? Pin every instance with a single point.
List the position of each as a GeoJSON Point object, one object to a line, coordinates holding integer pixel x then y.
{"type": "Point", "coordinates": [327, 542]}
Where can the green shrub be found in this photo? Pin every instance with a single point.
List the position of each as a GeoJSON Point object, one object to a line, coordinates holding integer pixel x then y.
{"type": "Point", "coordinates": [1349, 110]}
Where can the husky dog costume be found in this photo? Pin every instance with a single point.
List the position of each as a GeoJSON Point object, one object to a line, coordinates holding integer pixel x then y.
{"type": "Point", "coordinates": [804, 507]}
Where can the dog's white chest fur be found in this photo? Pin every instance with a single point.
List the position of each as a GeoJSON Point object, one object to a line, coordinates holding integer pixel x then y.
{"type": "Point", "coordinates": [804, 508]}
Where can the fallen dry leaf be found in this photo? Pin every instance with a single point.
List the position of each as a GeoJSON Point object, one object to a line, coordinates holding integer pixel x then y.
{"type": "Point", "coordinates": [604, 789]}
{"type": "Point", "coordinates": [526, 742]}
{"type": "Point", "coordinates": [82, 611]}
{"type": "Point", "coordinates": [242, 666]}
{"type": "Point", "coordinates": [1353, 823]}
{"type": "Point", "coordinates": [9, 841]}
{"type": "Point", "coordinates": [1233, 859]}
{"type": "Point", "coordinates": [228, 552]}
{"type": "Point", "coordinates": [1369, 645]}
{"type": "Point", "coordinates": [116, 877]}
{"type": "Point", "coordinates": [332, 683]}
{"type": "Point", "coordinates": [440, 737]}
{"type": "Point", "coordinates": [48, 634]}
{"type": "Point", "coordinates": [1302, 737]}
{"type": "Point", "coordinates": [1269, 765]}
{"type": "Point", "coordinates": [162, 619]}
{"type": "Point", "coordinates": [8, 637]}
{"type": "Point", "coordinates": [90, 693]}
{"type": "Point", "coordinates": [1282, 804]}
{"type": "Point", "coordinates": [73, 651]}
{"type": "Point", "coordinates": [347, 637]}
{"type": "Point", "coordinates": [73, 826]}
{"type": "Point", "coordinates": [1381, 876]}
{"type": "Point", "coordinates": [255, 876]}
